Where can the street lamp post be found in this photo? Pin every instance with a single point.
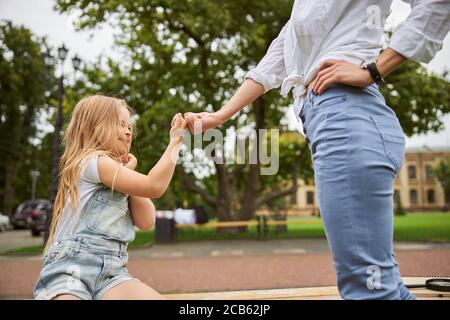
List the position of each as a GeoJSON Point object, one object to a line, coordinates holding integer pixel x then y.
{"type": "Point", "coordinates": [34, 176]}
{"type": "Point", "coordinates": [76, 62]}
{"type": "Point", "coordinates": [62, 53]}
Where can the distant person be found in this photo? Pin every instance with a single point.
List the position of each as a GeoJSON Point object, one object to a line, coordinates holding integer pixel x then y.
{"type": "Point", "coordinates": [200, 214]}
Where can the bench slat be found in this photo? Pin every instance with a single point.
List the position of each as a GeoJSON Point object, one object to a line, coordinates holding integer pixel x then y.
{"type": "Point", "coordinates": [316, 293]}
{"type": "Point", "coordinates": [219, 224]}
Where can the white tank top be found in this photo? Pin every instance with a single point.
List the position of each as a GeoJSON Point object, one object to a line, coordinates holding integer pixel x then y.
{"type": "Point", "coordinates": [88, 183]}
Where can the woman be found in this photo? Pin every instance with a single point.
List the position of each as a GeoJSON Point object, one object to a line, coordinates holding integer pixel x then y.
{"type": "Point", "coordinates": [328, 55]}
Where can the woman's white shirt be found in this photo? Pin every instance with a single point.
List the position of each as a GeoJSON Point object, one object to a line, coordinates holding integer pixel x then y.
{"type": "Point", "coordinates": [348, 30]}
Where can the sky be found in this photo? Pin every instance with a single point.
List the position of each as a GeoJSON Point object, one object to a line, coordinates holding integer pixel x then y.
{"type": "Point", "coordinates": [42, 20]}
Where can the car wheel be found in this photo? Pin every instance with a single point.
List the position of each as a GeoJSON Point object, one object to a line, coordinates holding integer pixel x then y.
{"type": "Point", "coordinates": [35, 233]}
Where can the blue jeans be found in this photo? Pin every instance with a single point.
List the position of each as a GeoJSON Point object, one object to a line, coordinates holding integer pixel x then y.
{"type": "Point", "coordinates": [357, 146]}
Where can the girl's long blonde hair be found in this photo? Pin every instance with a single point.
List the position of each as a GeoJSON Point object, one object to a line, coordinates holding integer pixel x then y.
{"type": "Point", "coordinates": [94, 129]}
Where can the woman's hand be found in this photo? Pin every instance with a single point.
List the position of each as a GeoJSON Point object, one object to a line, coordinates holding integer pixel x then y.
{"type": "Point", "coordinates": [202, 121]}
{"type": "Point", "coordinates": [177, 130]}
{"type": "Point", "coordinates": [343, 72]}
{"type": "Point", "coordinates": [131, 162]}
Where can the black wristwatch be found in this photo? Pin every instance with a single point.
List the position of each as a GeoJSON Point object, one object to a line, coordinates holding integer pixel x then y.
{"type": "Point", "coordinates": [374, 73]}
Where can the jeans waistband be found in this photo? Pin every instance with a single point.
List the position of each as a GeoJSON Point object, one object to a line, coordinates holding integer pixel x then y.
{"type": "Point", "coordinates": [96, 244]}
{"type": "Point", "coordinates": [311, 98]}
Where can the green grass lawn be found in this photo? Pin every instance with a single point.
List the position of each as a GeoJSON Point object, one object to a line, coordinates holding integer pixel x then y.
{"type": "Point", "coordinates": [431, 227]}
{"type": "Point", "coordinates": [427, 227]}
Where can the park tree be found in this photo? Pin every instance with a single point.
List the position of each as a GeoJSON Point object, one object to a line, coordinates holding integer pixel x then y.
{"type": "Point", "coordinates": [184, 56]}
{"type": "Point", "coordinates": [191, 56]}
{"type": "Point", "coordinates": [442, 173]}
{"type": "Point", "coordinates": [24, 85]}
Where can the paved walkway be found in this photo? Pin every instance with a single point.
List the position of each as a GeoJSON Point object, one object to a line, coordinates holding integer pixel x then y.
{"type": "Point", "coordinates": [232, 265]}
{"type": "Point", "coordinates": [13, 239]}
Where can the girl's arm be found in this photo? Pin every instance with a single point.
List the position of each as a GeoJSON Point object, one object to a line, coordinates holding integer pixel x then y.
{"type": "Point", "coordinates": [143, 212]}
{"type": "Point", "coordinates": [154, 184]}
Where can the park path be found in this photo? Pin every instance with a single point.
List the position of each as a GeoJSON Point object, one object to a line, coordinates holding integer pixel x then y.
{"type": "Point", "coordinates": [232, 265]}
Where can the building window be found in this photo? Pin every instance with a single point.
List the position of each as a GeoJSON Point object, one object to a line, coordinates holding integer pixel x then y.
{"type": "Point", "coordinates": [430, 196]}
{"type": "Point", "coordinates": [412, 172]}
{"type": "Point", "coordinates": [310, 198]}
{"type": "Point", "coordinates": [413, 196]}
{"type": "Point", "coordinates": [429, 172]}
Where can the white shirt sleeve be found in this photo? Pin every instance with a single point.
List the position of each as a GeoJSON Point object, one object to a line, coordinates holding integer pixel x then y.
{"type": "Point", "coordinates": [271, 71]}
{"type": "Point", "coordinates": [421, 35]}
{"type": "Point", "coordinates": [90, 172]}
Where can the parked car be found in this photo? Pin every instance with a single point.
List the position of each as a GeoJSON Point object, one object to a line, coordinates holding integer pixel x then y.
{"type": "Point", "coordinates": [22, 216]}
{"type": "Point", "coordinates": [39, 217]}
{"type": "Point", "coordinates": [4, 222]}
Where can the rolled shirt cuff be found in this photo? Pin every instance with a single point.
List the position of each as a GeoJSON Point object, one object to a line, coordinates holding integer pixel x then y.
{"type": "Point", "coordinates": [414, 45]}
{"type": "Point", "coordinates": [267, 81]}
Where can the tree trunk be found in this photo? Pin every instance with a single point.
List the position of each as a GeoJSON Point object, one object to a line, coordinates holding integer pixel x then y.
{"type": "Point", "coordinates": [252, 186]}
{"type": "Point", "coordinates": [21, 128]}
{"type": "Point", "coordinates": [9, 188]}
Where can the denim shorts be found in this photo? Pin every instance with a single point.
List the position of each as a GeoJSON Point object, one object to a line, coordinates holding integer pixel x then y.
{"type": "Point", "coordinates": [82, 266]}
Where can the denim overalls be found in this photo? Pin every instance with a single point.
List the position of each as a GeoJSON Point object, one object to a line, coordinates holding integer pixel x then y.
{"type": "Point", "coordinates": [94, 258]}
{"type": "Point", "coordinates": [357, 146]}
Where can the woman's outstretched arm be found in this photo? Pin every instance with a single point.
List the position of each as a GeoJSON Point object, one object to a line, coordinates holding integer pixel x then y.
{"type": "Point", "coordinates": [268, 74]}
{"type": "Point", "coordinates": [249, 91]}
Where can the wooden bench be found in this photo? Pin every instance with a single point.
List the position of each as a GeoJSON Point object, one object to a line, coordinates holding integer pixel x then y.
{"type": "Point", "coordinates": [262, 223]}
{"type": "Point", "coordinates": [317, 293]}
{"type": "Point", "coordinates": [218, 224]}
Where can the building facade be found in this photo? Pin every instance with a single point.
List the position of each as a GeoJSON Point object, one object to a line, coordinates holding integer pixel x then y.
{"type": "Point", "coordinates": [415, 184]}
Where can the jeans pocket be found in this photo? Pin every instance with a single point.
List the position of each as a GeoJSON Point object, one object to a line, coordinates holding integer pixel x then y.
{"type": "Point", "coordinates": [335, 102]}
{"type": "Point", "coordinates": [55, 254]}
{"type": "Point", "coordinates": [393, 139]}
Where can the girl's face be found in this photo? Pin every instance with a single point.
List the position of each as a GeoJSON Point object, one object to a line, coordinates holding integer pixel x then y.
{"type": "Point", "coordinates": [125, 122]}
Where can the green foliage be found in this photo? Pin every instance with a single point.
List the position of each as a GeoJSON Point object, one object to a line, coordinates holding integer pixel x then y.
{"type": "Point", "coordinates": [442, 173]}
{"type": "Point", "coordinates": [419, 99]}
{"type": "Point", "coordinates": [191, 55]}
{"type": "Point", "coordinates": [24, 87]}
{"type": "Point", "coordinates": [177, 56]}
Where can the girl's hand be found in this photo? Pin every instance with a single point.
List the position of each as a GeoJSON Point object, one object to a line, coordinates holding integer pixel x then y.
{"type": "Point", "coordinates": [178, 129]}
{"type": "Point", "coordinates": [202, 121]}
{"type": "Point", "coordinates": [131, 162]}
{"type": "Point", "coordinates": [343, 72]}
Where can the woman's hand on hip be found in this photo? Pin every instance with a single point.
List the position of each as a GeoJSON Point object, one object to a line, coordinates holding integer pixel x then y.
{"type": "Point", "coordinates": [342, 72]}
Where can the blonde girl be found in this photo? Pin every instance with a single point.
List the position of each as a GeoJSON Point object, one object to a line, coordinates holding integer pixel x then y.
{"type": "Point", "coordinates": [99, 202]}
